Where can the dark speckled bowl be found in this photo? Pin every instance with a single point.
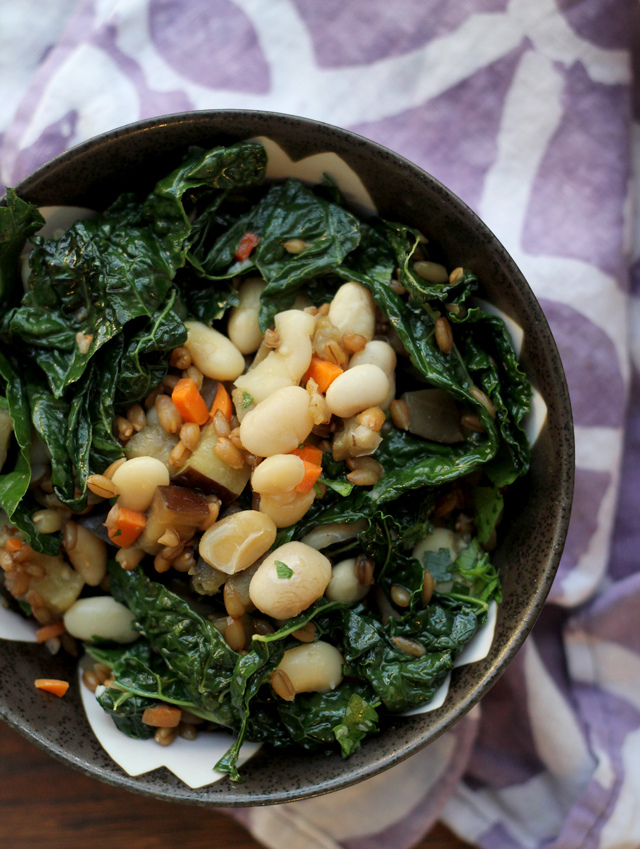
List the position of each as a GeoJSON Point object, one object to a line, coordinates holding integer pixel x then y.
{"type": "Point", "coordinates": [533, 534]}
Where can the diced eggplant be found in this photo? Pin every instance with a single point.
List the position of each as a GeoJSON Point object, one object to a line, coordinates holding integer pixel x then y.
{"type": "Point", "coordinates": [434, 415]}
{"type": "Point", "coordinates": [172, 507]}
{"type": "Point", "coordinates": [204, 470]}
{"type": "Point", "coordinates": [206, 580]}
{"type": "Point", "coordinates": [152, 441]}
{"type": "Point", "coordinates": [61, 585]}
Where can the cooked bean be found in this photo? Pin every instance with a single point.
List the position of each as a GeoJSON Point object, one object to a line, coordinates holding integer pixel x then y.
{"type": "Point", "coordinates": [357, 389]}
{"type": "Point", "coordinates": [344, 585]}
{"type": "Point", "coordinates": [278, 473]}
{"type": "Point", "coordinates": [326, 535]}
{"type": "Point", "coordinates": [213, 353]}
{"type": "Point", "coordinates": [279, 423]}
{"type": "Point", "coordinates": [289, 579]}
{"type": "Point", "coordinates": [136, 481]}
{"type": "Point", "coordinates": [89, 556]}
{"type": "Point", "coordinates": [243, 328]}
{"type": "Point", "coordinates": [312, 667]}
{"type": "Point", "coordinates": [286, 365]}
{"type": "Point", "coordinates": [353, 310]}
{"type": "Point", "coordinates": [101, 616]}
{"type": "Point", "coordinates": [286, 508]}
{"type": "Point", "coordinates": [235, 543]}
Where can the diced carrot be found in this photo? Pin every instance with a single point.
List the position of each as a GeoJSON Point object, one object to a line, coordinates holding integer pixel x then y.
{"type": "Point", "coordinates": [311, 474]}
{"type": "Point", "coordinates": [126, 526]}
{"type": "Point", "coordinates": [52, 685]}
{"type": "Point", "coordinates": [247, 243]}
{"type": "Point", "coordinates": [323, 372]}
{"type": "Point", "coordinates": [162, 716]}
{"type": "Point", "coordinates": [190, 403]}
{"type": "Point", "coordinates": [13, 544]}
{"type": "Point", "coordinates": [309, 453]}
{"type": "Point", "coordinates": [48, 632]}
{"type": "Point", "coordinates": [222, 402]}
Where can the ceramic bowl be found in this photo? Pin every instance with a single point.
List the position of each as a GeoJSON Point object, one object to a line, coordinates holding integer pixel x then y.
{"type": "Point", "coordinates": [532, 536]}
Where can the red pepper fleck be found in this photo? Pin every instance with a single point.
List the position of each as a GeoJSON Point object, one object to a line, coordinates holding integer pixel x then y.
{"type": "Point", "coordinates": [247, 244]}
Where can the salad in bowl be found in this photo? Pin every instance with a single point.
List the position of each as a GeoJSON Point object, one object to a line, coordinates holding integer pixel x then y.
{"type": "Point", "coordinates": [255, 452]}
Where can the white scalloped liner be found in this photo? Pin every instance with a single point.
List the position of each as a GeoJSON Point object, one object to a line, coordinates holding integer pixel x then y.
{"type": "Point", "coordinates": [192, 762]}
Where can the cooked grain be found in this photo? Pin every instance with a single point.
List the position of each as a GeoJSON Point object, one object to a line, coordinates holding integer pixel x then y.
{"type": "Point", "coordinates": [400, 414]}
{"type": "Point", "coordinates": [444, 335]}
{"type": "Point", "coordinates": [282, 685]}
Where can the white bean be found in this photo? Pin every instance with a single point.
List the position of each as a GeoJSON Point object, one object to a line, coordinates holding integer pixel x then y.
{"type": "Point", "coordinates": [285, 365]}
{"type": "Point", "coordinates": [289, 579]}
{"type": "Point", "coordinates": [313, 667]}
{"type": "Point", "coordinates": [102, 617]}
{"type": "Point", "coordinates": [381, 354]}
{"type": "Point", "coordinates": [136, 481]}
{"type": "Point", "coordinates": [279, 423]}
{"type": "Point", "coordinates": [333, 532]}
{"type": "Point", "coordinates": [353, 310]}
{"type": "Point", "coordinates": [278, 473]}
{"type": "Point", "coordinates": [211, 352]}
{"type": "Point", "coordinates": [235, 543]}
{"type": "Point", "coordinates": [357, 389]}
{"type": "Point", "coordinates": [244, 328]}
{"type": "Point", "coordinates": [344, 585]}
{"type": "Point", "coordinates": [286, 508]}
{"type": "Point", "coordinates": [89, 556]}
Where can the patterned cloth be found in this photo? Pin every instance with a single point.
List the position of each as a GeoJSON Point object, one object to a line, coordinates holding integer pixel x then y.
{"type": "Point", "coordinates": [524, 109]}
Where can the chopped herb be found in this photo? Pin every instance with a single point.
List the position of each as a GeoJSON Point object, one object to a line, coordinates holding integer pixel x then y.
{"type": "Point", "coordinates": [247, 400]}
{"type": "Point", "coordinates": [283, 571]}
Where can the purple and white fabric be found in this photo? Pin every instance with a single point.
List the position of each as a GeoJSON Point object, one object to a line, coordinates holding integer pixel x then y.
{"type": "Point", "coordinates": [525, 108]}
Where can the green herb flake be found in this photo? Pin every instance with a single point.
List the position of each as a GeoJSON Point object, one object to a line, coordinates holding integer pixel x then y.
{"type": "Point", "coordinates": [283, 571]}
{"type": "Point", "coordinates": [247, 400]}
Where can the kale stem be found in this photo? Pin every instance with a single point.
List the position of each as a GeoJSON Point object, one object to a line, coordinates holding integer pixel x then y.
{"type": "Point", "coordinates": [284, 632]}
{"type": "Point", "coordinates": [469, 598]}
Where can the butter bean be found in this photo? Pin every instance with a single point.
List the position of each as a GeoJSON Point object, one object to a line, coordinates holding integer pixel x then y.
{"type": "Point", "coordinates": [357, 389]}
{"type": "Point", "coordinates": [211, 352]}
{"type": "Point", "coordinates": [381, 354]}
{"type": "Point", "coordinates": [279, 423]}
{"type": "Point", "coordinates": [235, 543]}
{"type": "Point", "coordinates": [102, 617]}
{"type": "Point", "coordinates": [344, 585]}
{"type": "Point", "coordinates": [244, 328]}
{"type": "Point", "coordinates": [278, 473]}
{"type": "Point", "coordinates": [306, 577]}
{"type": "Point", "coordinates": [285, 365]}
{"type": "Point", "coordinates": [313, 667]}
{"type": "Point", "coordinates": [136, 481]}
{"type": "Point", "coordinates": [353, 310]}
{"type": "Point", "coordinates": [286, 508]}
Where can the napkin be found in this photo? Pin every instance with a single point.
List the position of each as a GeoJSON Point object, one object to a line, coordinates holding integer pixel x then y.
{"type": "Point", "coordinates": [525, 109]}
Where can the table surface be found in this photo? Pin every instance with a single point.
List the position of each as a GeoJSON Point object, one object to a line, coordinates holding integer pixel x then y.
{"type": "Point", "coordinates": [45, 802]}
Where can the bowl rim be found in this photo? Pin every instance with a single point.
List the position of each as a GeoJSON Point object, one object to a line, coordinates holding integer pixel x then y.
{"type": "Point", "coordinates": [207, 118]}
